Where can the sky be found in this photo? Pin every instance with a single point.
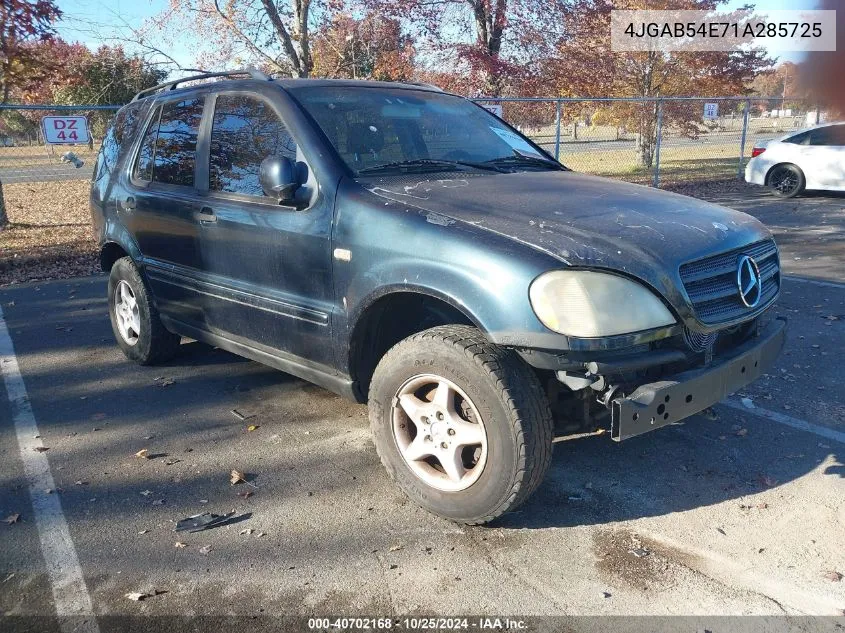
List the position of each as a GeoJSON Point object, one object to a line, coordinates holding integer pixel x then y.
{"type": "Point", "coordinates": [89, 21]}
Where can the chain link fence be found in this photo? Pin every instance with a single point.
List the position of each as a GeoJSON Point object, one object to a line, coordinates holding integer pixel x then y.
{"type": "Point", "coordinates": [657, 140]}
{"type": "Point", "coordinates": [650, 141]}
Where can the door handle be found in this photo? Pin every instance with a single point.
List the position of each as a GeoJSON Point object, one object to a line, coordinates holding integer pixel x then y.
{"type": "Point", "coordinates": [129, 204]}
{"type": "Point", "coordinates": [205, 216]}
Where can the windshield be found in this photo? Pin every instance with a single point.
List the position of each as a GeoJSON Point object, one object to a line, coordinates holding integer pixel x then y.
{"type": "Point", "coordinates": [378, 130]}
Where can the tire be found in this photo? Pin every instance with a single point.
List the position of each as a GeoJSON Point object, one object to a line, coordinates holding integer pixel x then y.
{"type": "Point", "coordinates": [494, 389]}
{"type": "Point", "coordinates": [152, 343]}
{"type": "Point", "coordinates": [786, 180]}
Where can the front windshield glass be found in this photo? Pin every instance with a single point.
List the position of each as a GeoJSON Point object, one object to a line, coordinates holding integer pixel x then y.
{"type": "Point", "coordinates": [382, 130]}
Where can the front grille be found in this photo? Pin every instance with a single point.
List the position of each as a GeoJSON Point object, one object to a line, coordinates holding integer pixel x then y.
{"type": "Point", "coordinates": [711, 282]}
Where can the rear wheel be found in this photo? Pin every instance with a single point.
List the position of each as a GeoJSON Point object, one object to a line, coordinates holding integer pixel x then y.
{"type": "Point", "coordinates": [786, 181]}
{"type": "Point", "coordinates": [463, 426]}
{"type": "Point", "coordinates": [134, 318]}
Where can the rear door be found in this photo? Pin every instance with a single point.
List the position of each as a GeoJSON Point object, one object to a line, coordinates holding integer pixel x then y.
{"type": "Point", "coordinates": [826, 157]}
{"type": "Point", "coordinates": [160, 206]}
{"type": "Point", "coordinates": [268, 267]}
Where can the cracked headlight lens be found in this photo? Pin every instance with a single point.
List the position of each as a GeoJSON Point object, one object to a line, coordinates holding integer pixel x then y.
{"type": "Point", "coordinates": [588, 304]}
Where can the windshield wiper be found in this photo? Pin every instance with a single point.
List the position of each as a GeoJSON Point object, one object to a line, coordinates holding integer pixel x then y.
{"type": "Point", "coordinates": [428, 164]}
{"type": "Point", "coordinates": [520, 157]}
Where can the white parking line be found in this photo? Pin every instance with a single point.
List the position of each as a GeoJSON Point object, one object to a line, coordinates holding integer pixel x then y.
{"type": "Point", "coordinates": [788, 420]}
{"type": "Point", "coordinates": [69, 592]}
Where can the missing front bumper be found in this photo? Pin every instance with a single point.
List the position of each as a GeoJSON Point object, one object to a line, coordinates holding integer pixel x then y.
{"type": "Point", "coordinates": [660, 403]}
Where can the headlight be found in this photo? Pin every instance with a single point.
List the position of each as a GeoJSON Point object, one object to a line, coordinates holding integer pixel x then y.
{"type": "Point", "coordinates": [587, 304]}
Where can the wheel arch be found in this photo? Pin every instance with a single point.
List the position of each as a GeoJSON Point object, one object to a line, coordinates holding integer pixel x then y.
{"type": "Point", "coordinates": [410, 311]}
{"type": "Point", "coordinates": [781, 164]}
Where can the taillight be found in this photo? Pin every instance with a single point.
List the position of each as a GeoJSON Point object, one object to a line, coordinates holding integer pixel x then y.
{"type": "Point", "coordinates": [757, 151]}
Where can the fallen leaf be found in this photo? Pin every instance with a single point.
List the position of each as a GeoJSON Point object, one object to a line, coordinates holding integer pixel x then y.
{"type": "Point", "coordinates": [12, 518]}
{"type": "Point", "coordinates": [80, 482]}
{"type": "Point", "coordinates": [136, 597]}
{"type": "Point", "coordinates": [395, 548]}
{"type": "Point", "coordinates": [205, 550]}
{"type": "Point", "coordinates": [246, 531]}
{"type": "Point", "coordinates": [260, 534]}
{"type": "Point", "coordinates": [832, 576]}
{"type": "Point", "coordinates": [41, 449]}
{"type": "Point", "coordinates": [142, 453]}
{"type": "Point", "coordinates": [166, 382]}
{"type": "Point", "coordinates": [143, 531]}
{"type": "Point", "coordinates": [237, 477]}
{"type": "Point", "coordinates": [179, 545]}
{"type": "Point", "coordinates": [146, 493]}
{"type": "Point", "coordinates": [252, 427]}
{"type": "Point", "coordinates": [639, 552]}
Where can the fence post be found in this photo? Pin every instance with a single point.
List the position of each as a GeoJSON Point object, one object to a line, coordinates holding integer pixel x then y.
{"type": "Point", "coordinates": [744, 137]}
{"type": "Point", "coordinates": [557, 131]}
{"type": "Point", "coordinates": [658, 142]}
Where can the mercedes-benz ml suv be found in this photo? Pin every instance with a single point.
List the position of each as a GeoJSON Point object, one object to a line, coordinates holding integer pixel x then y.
{"type": "Point", "coordinates": [406, 248]}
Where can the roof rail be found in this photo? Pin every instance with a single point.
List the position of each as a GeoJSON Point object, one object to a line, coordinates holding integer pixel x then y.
{"type": "Point", "coordinates": [422, 84]}
{"type": "Point", "coordinates": [171, 85]}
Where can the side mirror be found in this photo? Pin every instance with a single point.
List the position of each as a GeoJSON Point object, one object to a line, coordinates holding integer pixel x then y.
{"type": "Point", "coordinates": [277, 175]}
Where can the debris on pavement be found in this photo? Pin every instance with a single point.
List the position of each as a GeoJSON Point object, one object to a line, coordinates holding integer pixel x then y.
{"type": "Point", "coordinates": [158, 502]}
{"type": "Point", "coordinates": [241, 416]}
{"type": "Point", "coordinates": [205, 549]}
{"type": "Point", "coordinates": [12, 518]}
{"type": "Point", "coordinates": [207, 520]}
{"type": "Point", "coordinates": [142, 454]}
{"type": "Point", "coordinates": [639, 552]}
{"type": "Point", "coordinates": [237, 477]}
{"type": "Point", "coordinates": [832, 576]}
{"type": "Point", "coordinates": [253, 427]}
{"type": "Point", "coordinates": [748, 403]}
{"type": "Point", "coordinates": [137, 596]}
{"type": "Point", "coordinates": [41, 449]}
{"type": "Point", "coordinates": [180, 545]}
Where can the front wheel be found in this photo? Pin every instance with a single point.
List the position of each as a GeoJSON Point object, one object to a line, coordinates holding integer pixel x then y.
{"type": "Point", "coordinates": [462, 425]}
{"type": "Point", "coordinates": [786, 181]}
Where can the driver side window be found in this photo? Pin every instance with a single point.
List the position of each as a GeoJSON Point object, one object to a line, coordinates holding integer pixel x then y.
{"type": "Point", "coordinates": [244, 132]}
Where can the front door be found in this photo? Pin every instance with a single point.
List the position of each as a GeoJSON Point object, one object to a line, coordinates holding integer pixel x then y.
{"type": "Point", "coordinates": [268, 267]}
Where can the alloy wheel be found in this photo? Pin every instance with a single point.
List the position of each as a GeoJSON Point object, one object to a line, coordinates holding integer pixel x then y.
{"type": "Point", "coordinates": [439, 433]}
{"type": "Point", "coordinates": [126, 313]}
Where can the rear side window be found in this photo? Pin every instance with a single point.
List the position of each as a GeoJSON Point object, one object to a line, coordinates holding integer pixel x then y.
{"type": "Point", "coordinates": [168, 150]}
{"type": "Point", "coordinates": [144, 165]}
{"type": "Point", "coordinates": [118, 139]}
{"type": "Point", "coordinates": [831, 135]}
{"type": "Point", "coordinates": [245, 131]}
{"type": "Point", "coordinates": [798, 139]}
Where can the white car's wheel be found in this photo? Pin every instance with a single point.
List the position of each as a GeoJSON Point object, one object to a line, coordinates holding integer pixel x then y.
{"type": "Point", "coordinates": [786, 180]}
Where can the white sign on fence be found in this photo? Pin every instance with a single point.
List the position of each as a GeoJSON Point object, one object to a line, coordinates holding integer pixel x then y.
{"type": "Point", "coordinates": [711, 110]}
{"type": "Point", "coordinates": [64, 130]}
{"type": "Point", "coordinates": [493, 108]}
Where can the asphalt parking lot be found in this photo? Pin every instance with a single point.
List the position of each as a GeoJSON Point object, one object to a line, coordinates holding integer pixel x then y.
{"type": "Point", "coordinates": [739, 512]}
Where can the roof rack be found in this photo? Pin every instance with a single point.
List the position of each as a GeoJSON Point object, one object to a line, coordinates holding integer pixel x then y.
{"type": "Point", "coordinates": [422, 84]}
{"type": "Point", "coordinates": [171, 85]}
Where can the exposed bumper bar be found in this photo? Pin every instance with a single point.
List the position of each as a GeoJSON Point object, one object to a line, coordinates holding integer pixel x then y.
{"type": "Point", "coordinates": [657, 404]}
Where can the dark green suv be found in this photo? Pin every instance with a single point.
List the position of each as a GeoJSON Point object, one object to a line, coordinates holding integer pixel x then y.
{"type": "Point", "coordinates": [406, 248]}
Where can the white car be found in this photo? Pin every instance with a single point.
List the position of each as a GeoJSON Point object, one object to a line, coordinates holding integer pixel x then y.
{"type": "Point", "coordinates": [810, 159]}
